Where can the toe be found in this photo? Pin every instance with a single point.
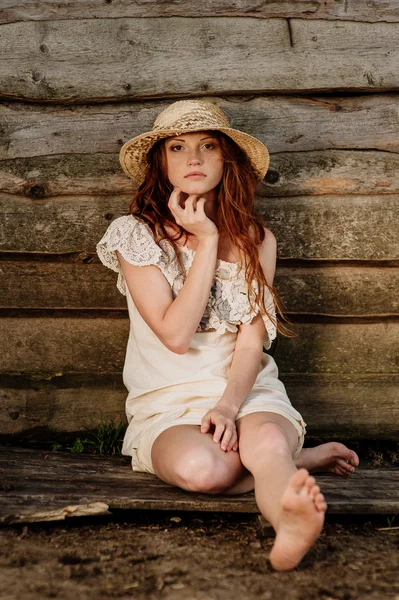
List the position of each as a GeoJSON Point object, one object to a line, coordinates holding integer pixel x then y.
{"type": "Point", "coordinates": [306, 489]}
{"type": "Point", "coordinates": [310, 482]}
{"type": "Point", "coordinates": [340, 471]}
{"type": "Point", "coordinates": [320, 502]}
{"type": "Point", "coordinates": [354, 459]}
{"type": "Point", "coordinates": [298, 479]}
{"type": "Point", "coordinates": [346, 466]}
{"type": "Point", "coordinates": [322, 507]}
{"type": "Point", "coordinates": [315, 490]}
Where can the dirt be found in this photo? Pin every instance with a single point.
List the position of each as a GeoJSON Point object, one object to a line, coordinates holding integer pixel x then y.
{"type": "Point", "coordinates": [148, 554]}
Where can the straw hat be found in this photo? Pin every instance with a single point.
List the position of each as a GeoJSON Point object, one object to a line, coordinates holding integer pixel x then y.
{"type": "Point", "coordinates": [185, 116]}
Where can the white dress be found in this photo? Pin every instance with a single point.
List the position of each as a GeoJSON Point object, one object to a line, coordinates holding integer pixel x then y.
{"type": "Point", "coordinates": [165, 388]}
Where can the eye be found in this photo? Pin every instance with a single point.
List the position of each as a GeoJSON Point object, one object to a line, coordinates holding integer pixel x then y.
{"type": "Point", "coordinates": [209, 145]}
{"type": "Point", "coordinates": [176, 146]}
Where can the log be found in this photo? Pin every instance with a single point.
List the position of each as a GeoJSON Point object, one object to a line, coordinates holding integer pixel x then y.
{"type": "Point", "coordinates": [98, 59]}
{"type": "Point", "coordinates": [345, 291]}
{"type": "Point", "coordinates": [339, 291]}
{"type": "Point", "coordinates": [61, 408]}
{"type": "Point", "coordinates": [342, 406]}
{"type": "Point", "coordinates": [314, 227]}
{"type": "Point", "coordinates": [37, 409]}
{"type": "Point", "coordinates": [330, 172]}
{"type": "Point", "coordinates": [33, 479]}
{"type": "Point", "coordinates": [48, 346]}
{"type": "Point", "coordinates": [26, 10]}
{"type": "Point", "coordinates": [286, 124]}
{"type": "Point", "coordinates": [353, 227]}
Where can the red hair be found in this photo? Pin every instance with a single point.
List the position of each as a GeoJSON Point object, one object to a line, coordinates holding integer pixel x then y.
{"type": "Point", "coordinates": [236, 218]}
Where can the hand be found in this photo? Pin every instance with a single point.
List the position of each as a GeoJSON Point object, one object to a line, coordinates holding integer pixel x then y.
{"type": "Point", "coordinates": [225, 428]}
{"type": "Point", "coordinates": [192, 217]}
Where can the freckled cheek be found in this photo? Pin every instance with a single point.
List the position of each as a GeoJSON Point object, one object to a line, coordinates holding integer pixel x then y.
{"type": "Point", "coordinates": [174, 170]}
{"type": "Point", "coordinates": [218, 172]}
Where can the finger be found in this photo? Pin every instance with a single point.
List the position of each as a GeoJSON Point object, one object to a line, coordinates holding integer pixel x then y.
{"type": "Point", "coordinates": [189, 207]}
{"type": "Point", "coordinates": [233, 440]}
{"type": "Point", "coordinates": [174, 199]}
{"type": "Point", "coordinates": [226, 438]}
{"type": "Point", "coordinates": [200, 205]}
{"type": "Point", "coordinates": [205, 423]}
{"type": "Point", "coordinates": [218, 432]}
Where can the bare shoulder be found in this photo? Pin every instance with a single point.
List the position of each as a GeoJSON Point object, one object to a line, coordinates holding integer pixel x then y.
{"type": "Point", "coordinates": [270, 241]}
{"type": "Point", "coordinates": [268, 255]}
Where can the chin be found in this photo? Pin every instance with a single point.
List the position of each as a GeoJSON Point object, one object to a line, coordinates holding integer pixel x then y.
{"type": "Point", "coordinates": [195, 187]}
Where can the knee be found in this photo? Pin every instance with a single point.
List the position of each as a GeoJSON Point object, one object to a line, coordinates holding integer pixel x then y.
{"type": "Point", "coordinates": [203, 473]}
{"type": "Point", "coordinates": [268, 438]}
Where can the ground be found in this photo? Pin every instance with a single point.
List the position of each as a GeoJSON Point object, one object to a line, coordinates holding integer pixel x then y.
{"type": "Point", "coordinates": [204, 556]}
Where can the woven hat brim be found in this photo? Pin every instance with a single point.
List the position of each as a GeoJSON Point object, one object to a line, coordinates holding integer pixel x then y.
{"type": "Point", "coordinates": [133, 154]}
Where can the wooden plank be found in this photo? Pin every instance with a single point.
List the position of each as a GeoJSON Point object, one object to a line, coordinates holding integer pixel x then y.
{"type": "Point", "coordinates": [350, 407]}
{"type": "Point", "coordinates": [291, 174]}
{"type": "Point", "coordinates": [335, 290]}
{"type": "Point", "coordinates": [333, 172]}
{"type": "Point", "coordinates": [284, 123]}
{"type": "Point", "coordinates": [340, 348]}
{"type": "Point", "coordinates": [339, 290]}
{"type": "Point", "coordinates": [312, 227]}
{"type": "Point", "coordinates": [84, 345]}
{"type": "Point", "coordinates": [98, 345]}
{"type": "Point", "coordinates": [101, 59]}
{"type": "Point", "coordinates": [335, 406]}
{"type": "Point", "coordinates": [352, 227]}
{"type": "Point", "coordinates": [32, 480]}
{"type": "Point", "coordinates": [36, 409]}
{"type": "Point", "coordinates": [26, 10]}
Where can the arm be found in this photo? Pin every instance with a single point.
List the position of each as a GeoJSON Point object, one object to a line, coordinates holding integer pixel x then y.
{"type": "Point", "coordinates": [249, 345]}
{"type": "Point", "coordinates": [173, 321]}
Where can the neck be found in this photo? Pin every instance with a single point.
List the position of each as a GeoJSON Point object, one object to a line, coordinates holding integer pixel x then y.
{"type": "Point", "coordinates": [210, 206]}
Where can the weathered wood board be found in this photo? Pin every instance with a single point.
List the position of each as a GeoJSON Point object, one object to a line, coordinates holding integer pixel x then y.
{"type": "Point", "coordinates": [96, 59]}
{"type": "Point", "coordinates": [330, 290]}
{"type": "Point", "coordinates": [284, 123]}
{"type": "Point", "coordinates": [316, 173]}
{"type": "Point", "coordinates": [39, 486]}
{"type": "Point", "coordinates": [26, 10]}
{"type": "Point", "coordinates": [83, 345]}
{"type": "Point", "coordinates": [335, 407]}
{"type": "Point", "coordinates": [306, 227]}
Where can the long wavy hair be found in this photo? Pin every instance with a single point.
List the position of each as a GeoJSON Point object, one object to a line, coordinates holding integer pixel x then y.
{"type": "Point", "coordinates": [236, 218]}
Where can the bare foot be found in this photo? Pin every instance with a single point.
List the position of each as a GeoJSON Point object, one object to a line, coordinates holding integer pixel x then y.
{"type": "Point", "coordinates": [302, 516]}
{"type": "Point", "coordinates": [332, 457]}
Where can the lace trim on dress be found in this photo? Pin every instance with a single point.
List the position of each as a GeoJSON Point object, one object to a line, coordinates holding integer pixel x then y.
{"type": "Point", "coordinates": [228, 304]}
{"type": "Point", "coordinates": [133, 239]}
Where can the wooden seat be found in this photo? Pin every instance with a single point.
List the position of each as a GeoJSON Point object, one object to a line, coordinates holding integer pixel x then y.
{"type": "Point", "coordinates": [37, 485]}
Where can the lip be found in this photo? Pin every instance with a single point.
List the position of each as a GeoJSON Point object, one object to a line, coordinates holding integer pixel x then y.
{"type": "Point", "coordinates": [195, 174]}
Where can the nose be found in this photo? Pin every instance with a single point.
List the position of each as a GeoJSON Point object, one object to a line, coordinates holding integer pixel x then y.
{"type": "Point", "coordinates": [194, 157]}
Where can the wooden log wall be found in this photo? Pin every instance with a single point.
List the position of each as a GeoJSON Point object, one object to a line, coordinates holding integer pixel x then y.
{"type": "Point", "coordinates": [316, 82]}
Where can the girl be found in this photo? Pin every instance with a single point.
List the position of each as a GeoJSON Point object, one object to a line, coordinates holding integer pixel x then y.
{"type": "Point", "coordinates": [205, 407]}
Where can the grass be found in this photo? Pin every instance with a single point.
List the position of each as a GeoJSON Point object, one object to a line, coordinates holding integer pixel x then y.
{"type": "Point", "coordinates": [106, 438]}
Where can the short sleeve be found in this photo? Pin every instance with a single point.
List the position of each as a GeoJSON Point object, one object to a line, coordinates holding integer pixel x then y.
{"type": "Point", "coordinates": [134, 240]}
{"type": "Point", "coordinates": [269, 321]}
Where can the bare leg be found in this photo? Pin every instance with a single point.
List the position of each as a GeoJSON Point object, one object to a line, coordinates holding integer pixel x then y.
{"type": "Point", "coordinates": [332, 457]}
{"type": "Point", "coordinates": [289, 499]}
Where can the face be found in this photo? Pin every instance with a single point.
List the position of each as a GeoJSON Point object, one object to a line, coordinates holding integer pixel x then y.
{"type": "Point", "coordinates": [196, 152]}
